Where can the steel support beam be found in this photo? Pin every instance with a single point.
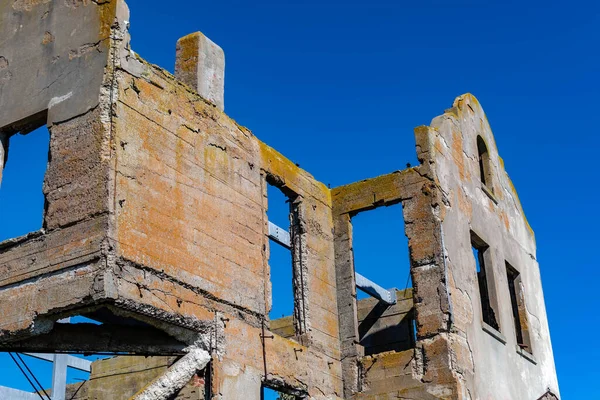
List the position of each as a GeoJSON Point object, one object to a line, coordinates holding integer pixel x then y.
{"type": "Point", "coordinates": [7, 393]}
{"type": "Point", "coordinates": [72, 362]}
{"type": "Point", "coordinates": [373, 289]}
{"type": "Point", "coordinates": [279, 235]}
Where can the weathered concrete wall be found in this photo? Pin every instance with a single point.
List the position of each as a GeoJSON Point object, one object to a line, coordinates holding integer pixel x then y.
{"type": "Point", "coordinates": [44, 66]}
{"type": "Point", "coordinates": [486, 364]}
{"type": "Point", "coordinates": [384, 328]}
{"type": "Point", "coordinates": [120, 378]}
{"type": "Point", "coordinates": [191, 230]}
{"type": "Point", "coordinates": [62, 80]}
{"type": "Point", "coordinates": [156, 211]}
{"type": "Point", "coordinates": [391, 375]}
{"type": "Point", "coordinates": [201, 65]}
{"type": "Point", "coordinates": [420, 199]}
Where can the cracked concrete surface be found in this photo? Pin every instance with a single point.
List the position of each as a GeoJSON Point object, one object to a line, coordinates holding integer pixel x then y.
{"type": "Point", "coordinates": [176, 377]}
{"type": "Point", "coordinates": [156, 216]}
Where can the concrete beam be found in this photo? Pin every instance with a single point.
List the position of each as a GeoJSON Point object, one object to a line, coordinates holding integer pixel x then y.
{"type": "Point", "coordinates": [91, 338]}
{"type": "Point", "coordinates": [200, 64]}
{"type": "Point", "coordinates": [384, 190]}
{"type": "Point", "coordinates": [176, 377]}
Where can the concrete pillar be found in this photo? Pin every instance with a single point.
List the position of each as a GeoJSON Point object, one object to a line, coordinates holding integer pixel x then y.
{"type": "Point", "coordinates": [347, 307]}
{"type": "Point", "coordinates": [3, 153]}
{"type": "Point", "coordinates": [200, 64]}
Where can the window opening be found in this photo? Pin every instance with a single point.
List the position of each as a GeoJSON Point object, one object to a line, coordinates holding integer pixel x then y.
{"type": "Point", "coordinates": [272, 394]}
{"type": "Point", "coordinates": [485, 168]}
{"type": "Point", "coordinates": [61, 372]}
{"type": "Point", "coordinates": [287, 313]}
{"type": "Point", "coordinates": [280, 255]}
{"type": "Point", "coordinates": [519, 310]}
{"type": "Point", "coordinates": [381, 260]}
{"type": "Point", "coordinates": [22, 199]}
{"type": "Point", "coordinates": [481, 256]}
{"type": "Point", "coordinates": [380, 248]}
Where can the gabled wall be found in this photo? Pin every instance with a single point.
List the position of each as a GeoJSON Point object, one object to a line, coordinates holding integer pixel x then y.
{"type": "Point", "coordinates": [488, 363]}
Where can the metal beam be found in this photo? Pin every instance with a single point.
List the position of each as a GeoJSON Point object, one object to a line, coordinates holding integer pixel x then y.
{"type": "Point", "coordinates": [373, 289]}
{"type": "Point", "coordinates": [15, 394]}
{"type": "Point", "coordinates": [73, 362]}
{"type": "Point", "coordinates": [280, 235]}
{"type": "Point", "coordinates": [59, 377]}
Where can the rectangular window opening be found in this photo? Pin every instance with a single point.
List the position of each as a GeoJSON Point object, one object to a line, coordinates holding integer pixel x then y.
{"type": "Point", "coordinates": [381, 255]}
{"type": "Point", "coordinates": [519, 310]}
{"type": "Point", "coordinates": [274, 394]}
{"type": "Point", "coordinates": [23, 164]}
{"type": "Point", "coordinates": [287, 302]}
{"type": "Point", "coordinates": [380, 248]}
{"type": "Point", "coordinates": [485, 281]}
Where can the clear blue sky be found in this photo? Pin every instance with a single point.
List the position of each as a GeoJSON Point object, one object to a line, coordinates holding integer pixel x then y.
{"type": "Point", "coordinates": [338, 86]}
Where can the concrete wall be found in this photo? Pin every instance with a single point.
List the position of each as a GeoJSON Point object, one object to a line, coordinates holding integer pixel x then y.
{"type": "Point", "coordinates": [120, 378]}
{"type": "Point", "coordinates": [56, 55]}
{"type": "Point", "coordinates": [156, 212]}
{"type": "Point", "coordinates": [384, 328]}
{"type": "Point", "coordinates": [190, 233]}
{"type": "Point", "coordinates": [489, 364]}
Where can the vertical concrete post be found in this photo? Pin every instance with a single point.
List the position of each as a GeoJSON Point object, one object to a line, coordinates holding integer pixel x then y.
{"type": "Point", "coordinates": [346, 296]}
{"type": "Point", "coordinates": [200, 64]}
{"type": "Point", "coordinates": [3, 153]}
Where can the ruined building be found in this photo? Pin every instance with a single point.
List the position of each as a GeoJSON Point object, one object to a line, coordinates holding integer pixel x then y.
{"type": "Point", "coordinates": [155, 226]}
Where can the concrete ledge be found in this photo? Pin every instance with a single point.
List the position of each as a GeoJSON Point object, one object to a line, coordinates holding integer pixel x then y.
{"type": "Point", "coordinates": [489, 193]}
{"type": "Point", "coordinates": [496, 334]}
{"type": "Point", "coordinates": [526, 355]}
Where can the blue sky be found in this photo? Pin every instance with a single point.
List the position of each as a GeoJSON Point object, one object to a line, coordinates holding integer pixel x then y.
{"type": "Point", "coordinates": [338, 86]}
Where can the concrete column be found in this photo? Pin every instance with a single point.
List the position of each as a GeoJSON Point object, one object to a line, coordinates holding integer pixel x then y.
{"type": "Point", "coordinates": [200, 64]}
{"type": "Point", "coordinates": [3, 153]}
{"type": "Point", "coordinates": [347, 307]}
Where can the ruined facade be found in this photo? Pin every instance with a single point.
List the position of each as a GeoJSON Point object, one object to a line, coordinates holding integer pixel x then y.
{"type": "Point", "coordinates": [155, 225]}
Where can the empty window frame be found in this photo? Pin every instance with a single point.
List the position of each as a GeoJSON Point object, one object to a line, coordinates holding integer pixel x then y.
{"type": "Point", "coordinates": [380, 253]}
{"type": "Point", "coordinates": [286, 261]}
{"type": "Point", "coordinates": [268, 393]}
{"type": "Point", "coordinates": [485, 279]}
{"type": "Point", "coordinates": [23, 162]}
{"type": "Point", "coordinates": [519, 310]}
{"type": "Point", "coordinates": [380, 247]}
{"type": "Point", "coordinates": [485, 165]}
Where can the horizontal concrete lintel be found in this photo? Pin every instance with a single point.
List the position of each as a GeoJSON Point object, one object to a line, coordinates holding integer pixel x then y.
{"type": "Point", "coordinates": [89, 338]}
{"type": "Point", "coordinates": [371, 193]}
